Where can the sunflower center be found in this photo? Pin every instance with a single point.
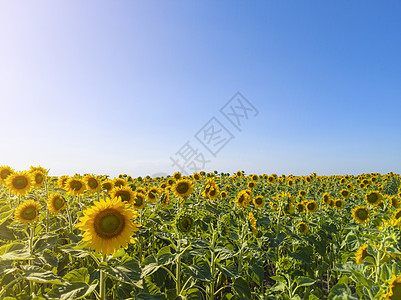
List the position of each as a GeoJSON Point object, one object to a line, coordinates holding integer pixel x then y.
{"type": "Point", "coordinates": [76, 185]}
{"type": "Point", "coordinates": [311, 206]}
{"type": "Point", "coordinates": [93, 184]}
{"type": "Point", "coordinates": [396, 289]}
{"type": "Point", "coordinates": [372, 198]}
{"type": "Point", "coordinates": [29, 213]}
{"type": "Point", "coordinates": [4, 174]}
{"type": "Point", "coordinates": [259, 201]}
{"type": "Point", "coordinates": [362, 214]}
{"type": "Point", "coordinates": [182, 188]}
{"type": "Point", "coordinates": [124, 196]}
{"type": "Point", "coordinates": [109, 224]}
{"type": "Point", "coordinates": [138, 201]}
{"type": "Point", "coordinates": [20, 182]}
{"type": "Point", "coordinates": [39, 178]}
{"type": "Point", "coordinates": [58, 203]}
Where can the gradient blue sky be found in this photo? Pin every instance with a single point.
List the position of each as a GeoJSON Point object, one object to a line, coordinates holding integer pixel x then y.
{"type": "Point", "coordinates": [111, 87]}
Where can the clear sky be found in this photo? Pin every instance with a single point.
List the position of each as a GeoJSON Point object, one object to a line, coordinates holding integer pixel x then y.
{"type": "Point", "coordinates": [114, 87]}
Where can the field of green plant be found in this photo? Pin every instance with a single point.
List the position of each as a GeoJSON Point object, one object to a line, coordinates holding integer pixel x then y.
{"type": "Point", "coordinates": [204, 236]}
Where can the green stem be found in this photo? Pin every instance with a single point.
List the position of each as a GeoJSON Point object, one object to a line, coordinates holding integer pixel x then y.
{"type": "Point", "coordinates": [178, 267]}
{"type": "Point", "coordinates": [31, 236]}
{"type": "Point", "coordinates": [103, 277]}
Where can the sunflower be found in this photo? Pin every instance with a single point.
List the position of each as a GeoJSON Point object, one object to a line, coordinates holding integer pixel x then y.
{"type": "Point", "coordinates": [360, 214]}
{"type": "Point", "coordinates": [119, 182]}
{"type": "Point", "coordinates": [243, 199]}
{"type": "Point", "coordinates": [92, 183]}
{"type": "Point", "coordinates": [184, 223]}
{"type": "Point", "coordinates": [55, 203]}
{"type": "Point", "coordinates": [395, 288]}
{"type": "Point", "coordinates": [300, 207]}
{"type": "Point", "coordinates": [183, 188]}
{"type": "Point", "coordinates": [373, 198]}
{"type": "Point", "coordinates": [211, 190]}
{"type": "Point", "coordinates": [345, 193]}
{"type": "Point", "coordinates": [19, 183]}
{"type": "Point", "coordinates": [251, 185]}
{"type": "Point", "coordinates": [303, 227]}
{"type": "Point", "coordinates": [326, 198]}
{"type": "Point", "coordinates": [394, 201]}
{"type": "Point", "coordinates": [62, 181]}
{"type": "Point", "coordinates": [223, 195]}
{"type": "Point", "coordinates": [170, 181]}
{"type": "Point", "coordinates": [302, 193]}
{"type": "Point", "coordinates": [197, 176]}
{"type": "Point", "coordinates": [311, 206]}
{"type": "Point", "coordinates": [125, 193]}
{"type": "Point", "coordinates": [5, 171]}
{"type": "Point", "coordinates": [259, 201]}
{"type": "Point", "coordinates": [38, 178]}
{"type": "Point", "coordinates": [361, 253]}
{"type": "Point", "coordinates": [107, 225]}
{"type": "Point", "coordinates": [152, 194]}
{"type": "Point", "coordinates": [108, 185]}
{"type": "Point", "coordinates": [138, 200]}
{"type": "Point", "coordinates": [339, 204]}
{"type": "Point", "coordinates": [177, 175]}
{"type": "Point", "coordinates": [38, 168]}
{"type": "Point", "coordinates": [165, 198]}
{"type": "Point", "coordinates": [75, 186]}
{"type": "Point", "coordinates": [238, 173]}
{"type": "Point", "coordinates": [252, 221]}
{"type": "Point", "coordinates": [27, 212]}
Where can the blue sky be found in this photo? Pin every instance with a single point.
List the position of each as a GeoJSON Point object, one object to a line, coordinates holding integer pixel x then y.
{"type": "Point", "coordinates": [112, 87]}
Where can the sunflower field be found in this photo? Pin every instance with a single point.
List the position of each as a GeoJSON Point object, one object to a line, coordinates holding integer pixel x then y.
{"type": "Point", "coordinates": [204, 236]}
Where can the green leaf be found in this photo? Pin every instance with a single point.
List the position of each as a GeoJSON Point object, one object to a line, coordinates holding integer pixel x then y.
{"type": "Point", "coordinates": [18, 254]}
{"type": "Point", "coordinates": [362, 279]}
{"type": "Point", "coordinates": [36, 274]}
{"type": "Point", "coordinates": [304, 281]}
{"type": "Point", "coordinates": [129, 272]}
{"type": "Point", "coordinates": [230, 271]}
{"type": "Point", "coordinates": [75, 290]}
{"type": "Point", "coordinates": [80, 275]}
{"type": "Point", "coordinates": [144, 296]}
{"type": "Point", "coordinates": [149, 266]}
{"type": "Point", "coordinates": [200, 271]}
{"type": "Point", "coordinates": [241, 288]}
{"type": "Point", "coordinates": [341, 292]}
{"type": "Point", "coordinates": [192, 294]}
{"type": "Point", "coordinates": [256, 271]}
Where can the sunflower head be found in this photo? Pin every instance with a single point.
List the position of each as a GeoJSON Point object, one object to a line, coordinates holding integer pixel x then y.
{"type": "Point", "coordinates": [5, 171]}
{"type": "Point", "coordinates": [138, 200]}
{"type": "Point", "coordinates": [38, 178]}
{"type": "Point", "coordinates": [345, 193]}
{"type": "Point", "coordinates": [27, 212]}
{"type": "Point", "coordinates": [56, 203]}
{"type": "Point", "coordinates": [92, 183]}
{"type": "Point", "coordinates": [326, 198]}
{"type": "Point", "coordinates": [223, 195]}
{"type": "Point", "coordinates": [184, 223]}
{"type": "Point", "coordinates": [361, 253]}
{"type": "Point", "coordinates": [119, 182]}
{"type": "Point", "coordinates": [394, 292]}
{"type": "Point", "coordinates": [75, 186]}
{"type": "Point", "coordinates": [183, 188]}
{"type": "Point", "coordinates": [108, 225]}
{"type": "Point", "coordinates": [197, 176]}
{"type": "Point", "coordinates": [177, 175]}
{"type": "Point", "coordinates": [125, 193]}
{"type": "Point", "coordinates": [20, 183]}
{"type": "Point", "coordinates": [259, 201]}
{"type": "Point", "coordinates": [339, 204]}
{"type": "Point", "coordinates": [300, 206]}
{"type": "Point", "coordinates": [303, 227]}
{"type": "Point", "coordinates": [360, 214]}
{"type": "Point", "coordinates": [108, 185]}
{"type": "Point", "coordinates": [243, 199]}
{"type": "Point", "coordinates": [251, 185]}
{"type": "Point", "coordinates": [302, 193]}
{"type": "Point", "coordinates": [311, 206]}
{"type": "Point", "coordinates": [152, 194]}
{"type": "Point", "coordinates": [62, 180]}
{"type": "Point", "coordinates": [373, 198]}
{"type": "Point", "coordinates": [165, 198]}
